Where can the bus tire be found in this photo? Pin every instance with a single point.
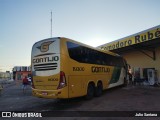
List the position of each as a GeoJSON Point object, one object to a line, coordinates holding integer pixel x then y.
{"type": "Point", "coordinates": [125, 82]}
{"type": "Point", "coordinates": [99, 89]}
{"type": "Point", "coordinates": [90, 91]}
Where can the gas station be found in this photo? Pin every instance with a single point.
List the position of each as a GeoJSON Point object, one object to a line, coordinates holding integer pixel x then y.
{"type": "Point", "coordinates": [142, 53]}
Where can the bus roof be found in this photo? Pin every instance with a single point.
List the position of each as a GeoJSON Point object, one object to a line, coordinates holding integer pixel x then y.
{"type": "Point", "coordinates": [68, 39]}
{"type": "Point", "coordinates": [108, 52]}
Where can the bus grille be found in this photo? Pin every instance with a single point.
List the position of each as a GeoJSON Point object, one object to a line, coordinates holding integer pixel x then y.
{"type": "Point", "coordinates": [44, 67]}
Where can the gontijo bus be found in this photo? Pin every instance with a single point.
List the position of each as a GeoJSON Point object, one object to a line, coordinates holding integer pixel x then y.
{"type": "Point", "coordinates": [63, 68]}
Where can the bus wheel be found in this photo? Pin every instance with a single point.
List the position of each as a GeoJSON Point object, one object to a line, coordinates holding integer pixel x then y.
{"type": "Point", "coordinates": [99, 89]}
{"type": "Point", "coordinates": [125, 82]}
{"type": "Point", "coordinates": [90, 91]}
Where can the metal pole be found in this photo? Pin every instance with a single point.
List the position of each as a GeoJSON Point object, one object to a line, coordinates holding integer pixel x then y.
{"type": "Point", "coordinates": [51, 23]}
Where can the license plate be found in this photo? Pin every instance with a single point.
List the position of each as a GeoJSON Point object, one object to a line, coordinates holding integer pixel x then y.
{"type": "Point", "coordinates": [44, 93]}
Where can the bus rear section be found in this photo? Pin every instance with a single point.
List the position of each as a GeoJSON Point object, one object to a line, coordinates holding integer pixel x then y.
{"type": "Point", "coordinates": [48, 80]}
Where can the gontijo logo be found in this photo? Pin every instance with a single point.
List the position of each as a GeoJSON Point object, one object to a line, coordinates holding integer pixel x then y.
{"type": "Point", "coordinates": [45, 46]}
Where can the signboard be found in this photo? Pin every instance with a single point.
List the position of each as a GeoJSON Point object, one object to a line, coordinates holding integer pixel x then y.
{"type": "Point", "coordinates": [144, 36]}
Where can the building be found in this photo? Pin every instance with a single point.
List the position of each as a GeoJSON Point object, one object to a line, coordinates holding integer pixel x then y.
{"type": "Point", "coordinates": [5, 75]}
{"type": "Point", "coordinates": [142, 52]}
{"type": "Point", "coordinates": [19, 72]}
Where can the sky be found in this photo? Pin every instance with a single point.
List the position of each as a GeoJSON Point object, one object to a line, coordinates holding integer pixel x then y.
{"type": "Point", "coordinates": [93, 22]}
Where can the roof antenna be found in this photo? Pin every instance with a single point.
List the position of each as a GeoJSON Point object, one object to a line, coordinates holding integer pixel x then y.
{"type": "Point", "coordinates": [51, 23]}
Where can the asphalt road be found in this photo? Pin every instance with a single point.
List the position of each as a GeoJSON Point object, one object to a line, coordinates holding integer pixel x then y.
{"type": "Point", "coordinates": [130, 98]}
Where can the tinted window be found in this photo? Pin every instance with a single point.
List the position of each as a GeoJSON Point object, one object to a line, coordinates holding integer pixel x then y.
{"type": "Point", "coordinates": [87, 55]}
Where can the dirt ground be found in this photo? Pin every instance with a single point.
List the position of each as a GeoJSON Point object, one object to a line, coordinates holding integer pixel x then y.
{"type": "Point", "coordinates": [118, 103]}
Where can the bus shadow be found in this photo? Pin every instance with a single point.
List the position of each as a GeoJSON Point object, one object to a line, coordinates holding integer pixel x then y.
{"type": "Point", "coordinates": [74, 103]}
{"type": "Point", "coordinates": [64, 104]}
